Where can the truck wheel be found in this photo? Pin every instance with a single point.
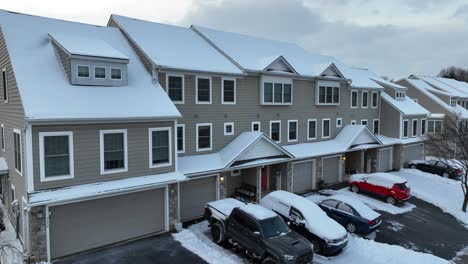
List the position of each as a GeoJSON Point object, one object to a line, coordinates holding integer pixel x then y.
{"type": "Point", "coordinates": [217, 233]}
{"type": "Point", "coordinates": [269, 260]}
{"type": "Point", "coordinates": [351, 227]}
{"type": "Point", "coordinates": [391, 200]}
{"type": "Point", "coordinates": [354, 189]}
{"type": "Point", "coordinates": [445, 175]}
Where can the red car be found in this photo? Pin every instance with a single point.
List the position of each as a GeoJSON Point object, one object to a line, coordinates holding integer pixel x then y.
{"type": "Point", "coordinates": [388, 186]}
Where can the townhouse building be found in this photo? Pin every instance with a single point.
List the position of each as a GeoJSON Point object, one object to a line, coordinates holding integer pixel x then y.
{"type": "Point", "coordinates": [119, 132]}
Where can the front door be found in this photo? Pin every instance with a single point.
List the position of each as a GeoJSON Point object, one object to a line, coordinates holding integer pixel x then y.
{"type": "Point", "coordinates": [264, 179]}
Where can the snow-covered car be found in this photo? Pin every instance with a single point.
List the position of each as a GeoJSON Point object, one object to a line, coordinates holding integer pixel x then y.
{"type": "Point", "coordinates": [306, 218]}
{"type": "Point", "coordinates": [259, 232]}
{"type": "Point", "coordinates": [353, 214]}
{"type": "Point", "coordinates": [388, 186]}
{"type": "Point", "coordinates": [436, 167]}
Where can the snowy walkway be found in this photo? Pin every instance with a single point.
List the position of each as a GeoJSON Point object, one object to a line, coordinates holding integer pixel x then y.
{"type": "Point", "coordinates": [7, 239]}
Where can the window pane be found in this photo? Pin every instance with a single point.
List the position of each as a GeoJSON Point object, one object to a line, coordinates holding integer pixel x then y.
{"type": "Point", "coordinates": [354, 99]}
{"type": "Point", "coordinates": [116, 74]}
{"type": "Point", "coordinates": [204, 136]}
{"type": "Point", "coordinates": [405, 128]}
{"type": "Point", "coordinates": [278, 93]}
{"type": "Point", "coordinates": [114, 151]}
{"type": "Point", "coordinates": [256, 127]}
{"type": "Point", "coordinates": [204, 90]}
{"type": "Point", "coordinates": [275, 131]}
{"type": "Point", "coordinates": [268, 92]}
{"type": "Point", "coordinates": [423, 127]}
{"type": "Point", "coordinates": [56, 156]}
{"type": "Point", "coordinates": [287, 93]}
{"type": "Point", "coordinates": [322, 94]}
{"type": "Point", "coordinates": [175, 88]}
{"type": "Point", "coordinates": [438, 126]}
{"type": "Point", "coordinates": [415, 127]}
{"type": "Point", "coordinates": [180, 138]}
{"type": "Point", "coordinates": [83, 71]}
{"type": "Point", "coordinates": [329, 95]}
{"type": "Point", "coordinates": [376, 126]}
{"type": "Point", "coordinates": [100, 73]}
{"type": "Point", "coordinates": [228, 95]}
{"type": "Point", "coordinates": [336, 95]}
{"type": "Point", "coordinates": [160, 147]}
{"type": "Point", "coordinates": [4, 80]}
{"type": "Point", "coordinates": [364, 99]}
{"type": "Point", "coordinates": [374, 99]}
{"type": "Point", "coordinates": [312, 129]}
{"type": "Point", "coordinates": [292, 130]}
{"type": "Point", "coordinates": [17, 151]}
{"type": "Point", "coordinates": [3, 138]}
{"type": "Point", "coordinates": [326, 128]}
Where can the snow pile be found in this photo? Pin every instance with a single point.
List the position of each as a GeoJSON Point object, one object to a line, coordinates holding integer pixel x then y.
{"type": "Point", "coordinates": [444, 193]}
{"type": "Point", "coordinates": [11, 249]}
{"type": "Point", "coordinates": [394, 225]}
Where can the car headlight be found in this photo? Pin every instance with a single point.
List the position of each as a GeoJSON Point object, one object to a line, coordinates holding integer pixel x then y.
{"type": "Point", "coordinates": [288, 257]}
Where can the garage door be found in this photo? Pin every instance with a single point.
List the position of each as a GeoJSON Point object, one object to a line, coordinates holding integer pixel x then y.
{"type": "Point", "coordinates": [385, 159]}
{"type": "Point", "coordinates": [303, 176]}
{"type": "Point", "coordinates": [194, 195]}
{"type": "Point", "coordinates": [86, 225]}
{"type": "Point", "coordinates": [331, 169]}
{"type": "Point", "coordinates": [414, 152]}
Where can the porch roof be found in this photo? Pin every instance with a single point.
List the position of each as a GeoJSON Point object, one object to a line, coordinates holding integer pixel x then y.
{"type": "Point", "coordinates": [394, 141]}
{"type": "Point", "coordinates": [3, 166]}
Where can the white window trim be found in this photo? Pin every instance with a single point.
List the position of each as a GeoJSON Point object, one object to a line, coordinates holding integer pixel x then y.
{"type": "Point", "coordinates": [6, 85]}
{"type": "Point", "coordinates": [259, 126]}
{"type": "Point", "coordinates": [362, 99]}
{"type": "Point", "coordinates": [17, 131]}
{"type": "Point", "coordinates": [308, 128]}
{"type": "Point", "coordinates": [183, 137]}
{"type": "Point", "coordinates": [183, 86]}
{"type": "Point", "coordinates": [101, 154]}
{"type": "Point", "coordinates": [105, 72]}
{"type": "Point", "coordinates": [364, 120]}
{"type": "Point", "coordinates": [376, 98]}
{"type": "Point", "coordinates": [211, 136]}
{"type": "Point", "coordinates": [317, 93]}
{"type": "Point", "coordinates": [297, 130]}
{"type": "Point", "coordinates": [89, 71]}
{"type": "Point", "coordinates": [329, 127]}
{"type": "Point", "coordinates": [273, 93]}
{"type": "Point", "coordinates": [357, 99]}
{"type": "Point", "coordinates": [353, 122]}
{"type": "Point", "coordinates": [2, 127]}
{"type": "Point", "coordinates": [412, 128]}
{"type": "Point", "coordinates": [196, 89]}
{"type": "Point", "coordinates": [339, 120]}
{"type": "Point", "coordinates": [233, 173]}
{"type": "Point", "coordinates": [373, 126]}
{"type": "Point", "coordinates": [42, 161]}
{"type": "Point", "coordinates": [425, 127]}
{"type": "Point", "coordinates": [276, 121]}
{"type": "Point", "coordinates": [222, 90]}
{"type": "Point", "coordinates": [403, 128]}
{"type": "Point", "coordinates": [110, 73]}
{"type": "Point", "coordinates": [150, 146]}
{"type": "Point", "coordinates": [225, 126]}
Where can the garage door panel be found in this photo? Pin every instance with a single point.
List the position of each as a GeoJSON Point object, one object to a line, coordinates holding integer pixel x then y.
{"type": "Point", "coordinates": [385, 160]}
{"type": "Point", "coordinates": [303, 173]}
{"type": "Point", "coordinates": [414, 152]}
{"type": "Point", "coordinates": [331, 170]}
{"type": "Point", "coordinates": [86, 225]}
{"type": "Point", "coordinates": [194, 195]}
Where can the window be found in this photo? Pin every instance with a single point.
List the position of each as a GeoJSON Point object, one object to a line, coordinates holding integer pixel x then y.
{"type": "Point", "coordinates": [453, 102]}
{"type": "Point", "coordinates": [203, 90]}
{"type": "Point", "coordinates": [330, 203]}
{"type": "Point", "coordinates": [365, 100]}
{"type": "Point", "coordinates": [423, 126]}
{"type": "Point", "coordinates": [353, 122]}
{"type": "Point", "coordinates": [415, 127]}
{"type": "Point", "coordinates": [277, 93]}
{"type": "Point", "coordinates": [405, 128]}
{"type": "Point", "coordinates": [339, 122]}
{"type": "Point", "coordinates": [235, 172]}
{"type": "Point", "coordinates": [400, 95]}
{"type": "Point", "coordinates": [325, 128]}
{"type": "Point", "coordinates": [354, 99]}
{"type": "Point", "coordinates": [328, 95]}
{"type": "Point", "coordinates": [83, 71]}
{"type": "Point", "coordinates": [113, 145]}
{"type": "Point", "coordinates": [438, 126]}
{"type": "Point", "coordinates": [116, 74]}
{"type": "Point", "coordinates": [345, 208]}
{"type": "Point", "coordinates": [5, 85]}
{"type": "Point", "coordinates": [292, 130]}
{"type": "Point", "coordinates": [160, 154]}
{"type": "Point", "coordinates": [181, 138]}
{"type": "Point", "coordinates": [364, 122]}
{"type": "Point", "coordinates": [99, 72]}
{"type": "Point", "coordinates": [229, 129]}
{"type": "Point", "coordinates": [275, 131]}
{"type": "Point", "coordinates": [17, 147]}
{"type": "Point", "coordinates": [56, 155]}
{"type": "Point", "coordinates": [175, 88]}
{"type": "Point", "coordinates": [204, 140]}
{"type": "Point", "coordinates": [256, 126]}
{"type": "Point", "coordinates": [229, 91]}
{"type": "Point", "coordinates": [376, 126]}
{"type": "Point", "coordinates": [2, 130]}
{"type": "Point", "coordinates": [13, 193]}
{"type": "Point", "coordinates": [375, 99]}
{"type": "Point", "coordinates": [311, 129]}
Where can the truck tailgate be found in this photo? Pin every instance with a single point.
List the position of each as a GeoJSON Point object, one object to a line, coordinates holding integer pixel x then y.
{"type": "Point", "coordinates": [221, 209]}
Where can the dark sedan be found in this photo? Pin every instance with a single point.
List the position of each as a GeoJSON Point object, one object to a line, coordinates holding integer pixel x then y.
{"type": "Point", "coordinates": [436, 167]}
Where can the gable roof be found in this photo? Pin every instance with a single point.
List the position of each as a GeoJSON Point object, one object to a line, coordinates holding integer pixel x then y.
{"type": "Point", "coordinates": [407, 107]}
{"type": "Point", "coordinates": [281, 61]}
{"type": "Point", "coordinates": [45, 90]}
{"type": "Point", "coordinates": [350, 134]}
{"type": "Point", "coordinates": [360, 78]}
{"type": "Point", "coordinates": [444, 84]}
{"type": "Point", "coordinates": [175, 47]}
{"type": "Point", "coordinates": [392, 85]}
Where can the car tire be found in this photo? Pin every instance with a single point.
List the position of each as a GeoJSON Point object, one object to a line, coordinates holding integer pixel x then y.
{"type": "Point", "coordinates": [391, 200]}
{"type": "Point", "coordinates": [351, 227]}
{"type": "Point", "coordinates": [317, 248]}
{"type": "Point", "coordinates": [445, 175]}
{"type": "Point", "coordinates": [413, 166]}
{"type": "Point", "coordinates": [354, 189]}
{"type": "Point", "coordinates": [217, 233]}
{"type": "Point", "coordinates": [269, 260]}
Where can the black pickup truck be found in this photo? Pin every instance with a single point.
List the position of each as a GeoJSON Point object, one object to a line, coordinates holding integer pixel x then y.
{"type": "Point", "coordinates": [260, 232]}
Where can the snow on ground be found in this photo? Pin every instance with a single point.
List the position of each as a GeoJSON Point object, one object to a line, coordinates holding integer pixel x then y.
{"type": "Point", "coordinates": [11, 250]}
{"type": "Point", "coordinates": [394, 225]}
{"type": "Point", "coordinates": [447, 194]}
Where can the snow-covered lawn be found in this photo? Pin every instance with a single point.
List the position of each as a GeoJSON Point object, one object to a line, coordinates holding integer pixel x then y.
{"type": "Point", "coordinates": [11, 250]}
{"type": "Point", "coordinates": [444, 193]}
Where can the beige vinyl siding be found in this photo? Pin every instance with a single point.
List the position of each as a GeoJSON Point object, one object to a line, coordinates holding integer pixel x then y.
{"type": "Point", "coordinates": [64, 59]}
{"type": "Point", "coordinates": [424, 100]}
{"type": "Point", "coordinates": [390, 120]}
{"type": "Point", "coordinates": [87, 152]}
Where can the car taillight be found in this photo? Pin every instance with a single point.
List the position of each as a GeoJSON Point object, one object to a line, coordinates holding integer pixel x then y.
{"type": "Point", "coordinates": [371, 222]}
{"type": "Point", "coordinates": [458, 172]}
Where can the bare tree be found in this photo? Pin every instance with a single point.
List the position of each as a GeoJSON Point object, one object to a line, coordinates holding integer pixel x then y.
{"type": "Point", "coordinates": [452, 143]}
{"type": "Point", "coordinates": [10, 254]}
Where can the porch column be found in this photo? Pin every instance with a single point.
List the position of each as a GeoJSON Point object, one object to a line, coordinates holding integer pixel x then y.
{"type": "Point", "coordinates": [362, 162]}
{"type": "Point", "coordinates": [259, 183]}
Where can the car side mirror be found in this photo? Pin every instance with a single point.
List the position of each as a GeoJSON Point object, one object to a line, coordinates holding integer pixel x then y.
{"type": "Point", "coordinates": [257, 234]}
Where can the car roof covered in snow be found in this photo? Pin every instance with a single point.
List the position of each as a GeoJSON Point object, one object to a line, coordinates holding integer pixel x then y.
{"type": "Point", "coordinates": [407, 106]}
{"type": "Point", "coordinates": [364, 210]}
{"type": "Point", "coordinates": [384, 179]}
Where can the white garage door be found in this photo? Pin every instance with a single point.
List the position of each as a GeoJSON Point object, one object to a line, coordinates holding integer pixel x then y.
{"type": "Point", "coordinates": [385, 159]}
{"type": "Point", "coordinates": [331, 168]}
{"type": "Point", "coordinates": [303, 176]}
{"type": "Point", "coordinates": [194, 195]}
{"type": "Point", "coordinates": [413, 152]}
{"type": "Point", "coordinates": [87, 225]}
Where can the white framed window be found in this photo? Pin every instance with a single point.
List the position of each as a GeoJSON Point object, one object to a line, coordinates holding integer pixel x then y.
{"type": "Point", "coordinates": [376, 126]}
{"type": "Point", "coordinates": [116, 73]}
{"type": "Point", "coordinates": [415, 128]}
{"type": "Point", "coordinates": [374, 100]}
{"type": "Point", "coordinates": [180, 138]}
{"type": "Point", "coordinates": [326, 128]}
{"type": "Point", "coordinates": [204, 136]}
{"type": "Point", "coordinates": [56, 155]}
{"type": "Point", "coordinates": [82, 71]}
{"type": "Point", "coordinates": [405, 128]}
{"type": "Point", "coordinates": [13, 193]}
{"type": "Point", "coordinates": [2, 130]}
{"type": "Point", "coordinates": [453, 102]}
{"type": "Point", "coordinates": [364, 122]}
{"type": "Point", "coordinates": [354, 99]}
{"type": "Point", "coordinates": [203, 90]}
{"type": "Point", "coordinates": [353, 122]}
{"type": "Point", "coordinates": [339, 122]}
{"type": "Point", "coordinates": [175, 87]}
{"type": "Point", "coordinates": [5, 85]}
{"type": "Point", "coordinates": [160, 147]}
{"type": "Point", "coordinates": [99, 72]}
{"type": "Point", "coordinates": [229, 128]}
{"type": "Point", "coordinates": [328, 93]}
{"type": "Point", "coordinates": [235, 172]}
{"type": "Point", "coordinates": [228, 92]}
{"type": "Point", "coordinates": [275, 131]}
{"type": "Point", "coordinates": [292, 130]}
{"type": "Point", "coordinates": [423, 126]}
{"type": "Point", "coordinates": [18, 146]}
{"type": "Point", "coordinates": [256, 126]}
{"type": "Point", "coordinates": [311, 129]}
{"type": "Point", "coordinates": [365, 99]}
{"type": "Point", "coordinates": [400, 95]}
{"type": "Point", "coordinates": [277, 93]}
{"type": "Point", "coordinates": [113, 151]}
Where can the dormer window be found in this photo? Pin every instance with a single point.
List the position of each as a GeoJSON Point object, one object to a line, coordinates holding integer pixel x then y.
{"type": "Point", "coordinates": [327, 93]}
{"type": "Point", "coordinates": [116, 74]}
{"type": "Point", "coordinates": [276, 91]}
{"type": "Point", "coordinates": [453, 102]}
{"type": "Point", "coordinates": [83, 71]}
{"type": "Point", "coordinates": [400, 95]}
{"type": "Point", "coordinates": [99, 72]}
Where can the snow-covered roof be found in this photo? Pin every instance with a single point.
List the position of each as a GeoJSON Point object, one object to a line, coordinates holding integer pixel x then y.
{"type": "Point", "coordinates": [453, 87]}
{"type": "Point", "coordinates": [45, 90]}
{"type": "Point", "coordinates": [407, 106]}
{"type": "Point", "coordinates": [364, 210]}
{"type": "Point", "coordinates": [386, 141]}
{"type": "Point", "coordinates": [388, 83]}
{"type": "Point", "coordinates": [436, 116]}
{"type": "Point", "coordinates": [87, 46]}
{"type": "Point", "coordinates": [360, 78]}
{"type": "Point", "coordinates": [93, 190]}
{"type": "Point", "coordinates": [458, 85]}
{"type": "Point", "coordinates": [175, 47]}
{"type": "Point", "coordinates": [3, 166]}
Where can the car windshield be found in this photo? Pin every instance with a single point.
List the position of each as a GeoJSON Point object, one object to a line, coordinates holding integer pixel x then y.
{"type": "Point", "coordinates": [273, 227]}
{"type": "Point", "coordinates": [401, 186]}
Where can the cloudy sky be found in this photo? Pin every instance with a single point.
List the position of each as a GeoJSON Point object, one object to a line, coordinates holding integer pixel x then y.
{"type": "Point", "coordinates": [394, 38]}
